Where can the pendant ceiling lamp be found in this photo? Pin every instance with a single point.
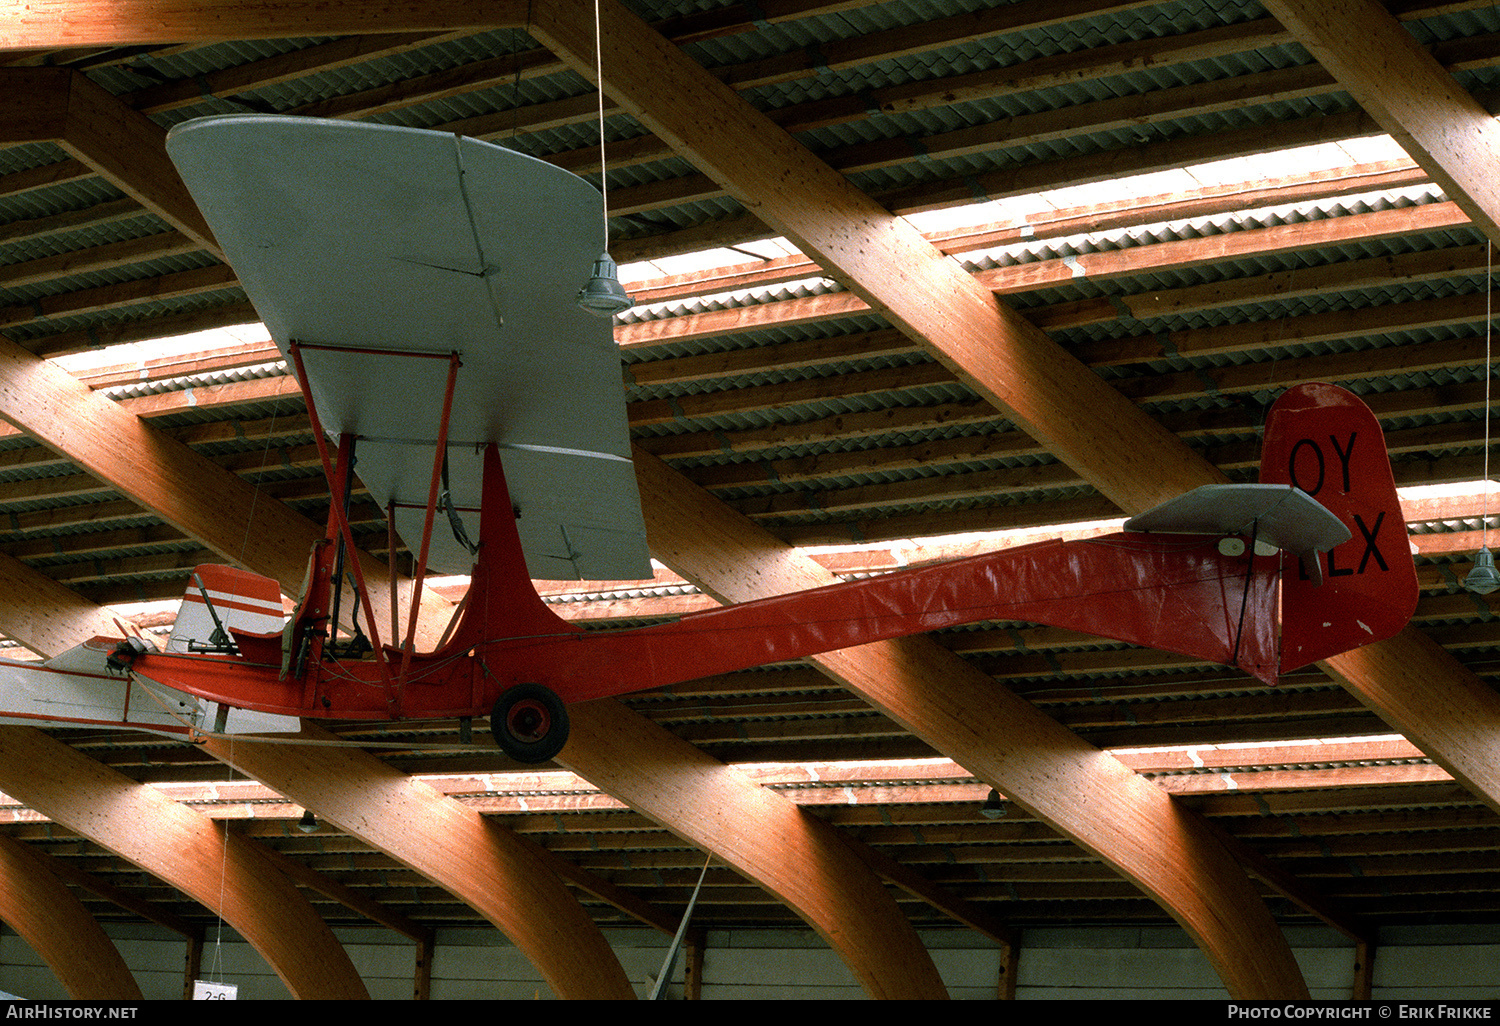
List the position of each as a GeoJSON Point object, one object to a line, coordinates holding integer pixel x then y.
{"type": "Point", "coordinates": [603, 296]}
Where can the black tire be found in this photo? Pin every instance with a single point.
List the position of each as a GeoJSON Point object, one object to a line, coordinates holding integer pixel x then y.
{"type": "Point", "coordinates": [530, 723]}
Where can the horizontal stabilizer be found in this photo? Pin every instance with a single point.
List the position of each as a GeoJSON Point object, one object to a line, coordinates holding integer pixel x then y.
{"type": "Point", "coordinates": [1278, 514]}
{"type": "Point", "coordinates": [241, 721]}
{"type": "Point", "coordinates": [78, 689]}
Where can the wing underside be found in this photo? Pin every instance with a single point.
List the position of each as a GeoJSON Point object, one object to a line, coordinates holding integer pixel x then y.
{"type": "Point", "coordinates": [381, 250]}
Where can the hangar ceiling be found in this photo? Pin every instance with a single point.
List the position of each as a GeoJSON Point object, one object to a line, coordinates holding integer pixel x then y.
{"type": "Point", "coordinates": [878, 389]}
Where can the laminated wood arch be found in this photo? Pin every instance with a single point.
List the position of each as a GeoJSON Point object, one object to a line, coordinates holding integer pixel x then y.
{"type": "Point", "coordinates": [220, 869]}
{"type": "Point", "coordinates": [1085, 793]}
{"type": "Point", "coordinates": [791, 853]}
{"type": "Point", "coordinates": [41, 909]}
{"type": "Point", "coordinates": [477, 860]}
{"type": "Point", "coordinates": [46, 617]}
{"type": "Point", "coordinates": [1124, 453]}
{"type": "Point", "coordinates": [1411, 681]}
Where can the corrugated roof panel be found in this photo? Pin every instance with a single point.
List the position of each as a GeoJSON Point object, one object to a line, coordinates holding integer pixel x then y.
{"type": "Point", "coordinates": [645, 224]}
{"type": "Point", "coordinates": [814, 409]}
{"type": "Point", "coordinates": [1229, 269]}
{"type": "Point", "coordinates": [158, 386]}
{"type": "Point", "coordinates": [802, 288]}
{"type": "Point", "coordinates": [1456, 21]}
{"type": "Point", "coordinates": [723, 341]}
{"type": "Point", "coordinates": [141, 311]}
{"type": "Point", "coordinates": [1060, 153]}
{"type": "Point", "coordinates": [1012, 49]}
{"type": "Point", "coordinates": [91, 566]}
{"type": "Point", "coordinates": [144, 70]}
{"type": "Point", "coordinates": [36, 466]}
{"type": "Point", "coordinates": [21, 295]}
{"type": "Point", "coordinates": [830, 372]}
{"type": "Point", "coordinates": [20, 507]}
{"type": "Point", "coordinates": [139, 225]}
{"type": "Point", "coordinates": [48, 201]}
{"type": "Point", "coordinates": [408, 64]}
{"type": "Point", "coordinates": [1003, 511]}
{"type": "Point", "coordinates": [623, 176]}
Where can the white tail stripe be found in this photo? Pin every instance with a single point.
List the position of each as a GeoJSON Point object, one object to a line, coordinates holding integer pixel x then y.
{"type": "Point", "coordinates": [231, 600]}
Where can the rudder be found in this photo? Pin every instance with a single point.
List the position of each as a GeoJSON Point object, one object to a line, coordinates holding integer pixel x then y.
{"type": "Point", "coordinates": [239, 599]}
{"type": "Point", "coordinates": [1324, 440]}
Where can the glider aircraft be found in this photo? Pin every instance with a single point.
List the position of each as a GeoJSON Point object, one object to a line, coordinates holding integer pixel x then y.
{"type": "Point", "coordinates": [424, 288]}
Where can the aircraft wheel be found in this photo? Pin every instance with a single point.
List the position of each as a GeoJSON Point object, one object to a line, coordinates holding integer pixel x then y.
{"type": "Point", "coordinates": [530, 723]}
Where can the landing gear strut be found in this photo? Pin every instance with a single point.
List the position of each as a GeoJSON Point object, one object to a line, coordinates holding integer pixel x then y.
{"type": "Point", "coordinates": [530, 723]}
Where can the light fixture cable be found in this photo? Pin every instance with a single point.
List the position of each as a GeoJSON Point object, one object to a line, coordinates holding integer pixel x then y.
{"type": "Point", "coordinates": [603, 163]}
{"type": "Point", "coordinates": [216, 965]}
{"type": "Point", "coordinates": [1489, 322]}
{"type": "Point", "coordinates": [1483, 577]}
{"type": "Point", "coordinates": [603, 295]}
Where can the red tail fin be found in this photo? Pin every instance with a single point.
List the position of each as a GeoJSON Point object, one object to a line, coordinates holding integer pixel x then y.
{"type": "Point", "coordinates": [1322, 439]}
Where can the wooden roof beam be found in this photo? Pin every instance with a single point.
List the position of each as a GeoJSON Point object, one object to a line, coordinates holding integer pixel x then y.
{"type": "Point", "coordinates": [220, 869]}
{"type": "Point", "coordinates": [1129, 457]}
{"type": "Point", "coordinates": [764, 836]}
{"type": "Point", "coordinates": [43, 616]}
{"type": "Point", "coordinates": [1001, 738]}
{"type": "Point", "coordinates": [1404, 88]}
{"type": "Point", "coordinates": [502, 876]}
{"type": "Point", "coordinates": [184, 488]}
{"type": "Point", "coordinates": [41, 909]}
{"type": "Point", "coordinates": [123, 145]}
